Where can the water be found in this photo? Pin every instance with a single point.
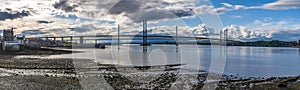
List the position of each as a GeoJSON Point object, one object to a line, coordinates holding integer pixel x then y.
{"type": "Point", "coordinates": [244, 61]}
{"type": "Point", "coordinates": [263, 61]}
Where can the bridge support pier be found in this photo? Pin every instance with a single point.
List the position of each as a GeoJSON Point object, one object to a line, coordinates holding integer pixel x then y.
{"type": "Point", "coordinates": [81, 40]}
{"type": "Point", "coordinates": [71, 39]}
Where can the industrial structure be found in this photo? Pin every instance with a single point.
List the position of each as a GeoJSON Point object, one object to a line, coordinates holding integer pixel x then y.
{"type": "Point", "coordinates": [9, 42]}
{"type": "Point", "coordinates": [6, 35]}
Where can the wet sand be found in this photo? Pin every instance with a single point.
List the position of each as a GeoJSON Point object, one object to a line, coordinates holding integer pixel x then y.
{"type": "Point", "coordinates": [36, 73]}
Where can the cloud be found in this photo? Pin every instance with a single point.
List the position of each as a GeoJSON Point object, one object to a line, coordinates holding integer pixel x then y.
{"type": "Point", "coordinates": [44, 21]}
{"type": "Point", "coordinates": [157, 15]}
{"type": "Point", "coordinates": [227, 5]}
{"type": "Point", "coordinates": [86, 27]}
{"type": "Point", "coordinates": [276, 5]}
{"type": "Point", "coordinates": [237, 16]}
{"type": "Point", "coordinates": [268, 23]}
{"type": "Point", "coordinates": [268, 29]}
{"type": "Point", "coordinates": [36, 15]}
{"type": "Point", "coordinates": [46, 15]}
{"type": "Point", "coordinates": [126, 6]}
{"type": "Point", "coordinates": [206, 9]}
{"type": "Point", "coordinates": [236, 32]}
{"type": "Point", "coordinates": [281, 30]}
{"type": "Point", "coordinates": [200, 30]}
{"type": "Point", "coordinates": [139, 10]}
{"type": "Point", "coordinates": [63, 5]}
{"type": "Point", "coordinates": [7, 15]}
{"type": "Point", "coordinates": [54, 17]}
{"type": "Point", "coordinates": [32, 23]}
{"type": "Point", "coordinates": [127, 9]}
{"type": "Point", "coordinates": [233, 7]}
{"type": "Point", "coordinates": [237, 7]}
{"type": "Point", "coordinates": [33, 32]}
{"type": "Point", "coordinates": [282, 5]}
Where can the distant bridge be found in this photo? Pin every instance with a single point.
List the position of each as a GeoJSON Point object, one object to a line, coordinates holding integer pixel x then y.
{"type": "Point", "coordinates": [144, 36]}
{"type": "Point", "coordinates": [97, 38]}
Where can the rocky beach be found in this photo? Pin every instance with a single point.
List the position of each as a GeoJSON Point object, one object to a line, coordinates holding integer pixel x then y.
{"type": "Point", "coordinates": [60, 73]}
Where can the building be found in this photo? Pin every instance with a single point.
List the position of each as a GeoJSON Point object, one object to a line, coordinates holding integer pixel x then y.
{"type": "Point", "coordinates": [8, 42]}
{"type": "Point", "coordinates": [299, 42]}
{"type": "Point", "coordinates": [7, 35]}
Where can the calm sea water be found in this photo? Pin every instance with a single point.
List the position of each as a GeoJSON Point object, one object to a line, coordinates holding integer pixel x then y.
{"type": "Point", "coordinates": [244, 61]}
{"type": "Point", "coordinates": [263, 61]}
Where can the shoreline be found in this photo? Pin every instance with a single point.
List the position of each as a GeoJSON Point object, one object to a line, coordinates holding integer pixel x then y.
{"type": "Point", "coordinates": [60, 74]}
{"type": "Point", "coordinates": [118, 79]}
{"type": "Point", "coordinates": [36, 51]}
{"type": "Point", "coordinates": [227, 81]}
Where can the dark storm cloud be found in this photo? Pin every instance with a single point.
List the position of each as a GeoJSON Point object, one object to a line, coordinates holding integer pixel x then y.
{"type": "Point", "coordinates": [138, 10]}
{"type": "Point", "coordinates": [63, 5]}
{"type": "Point", "coordinates": [152, 9]}
{"type": "Point", "coordinates": [43, 21]}
{"type": "Point", "coordinates": [128, 6]}
{"type": "Point", "coordinates": [151, 15]}
{"type": "Point", "coordinates": [6, 15]}
{"type": "Point", "coordinates": [83, 28]}
{"type": "Point", "coordinates": [56, 29]}
{"type": "Point", "coordinates": [183, 13]}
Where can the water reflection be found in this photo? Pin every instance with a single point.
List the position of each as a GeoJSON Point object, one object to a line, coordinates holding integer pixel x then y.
{"type": "Point", "coordinates": [263, 61]}
{"type": "Point", "coordinates": [155, 55]}
{"type": "Point", "coordinates": [299, 51]}
{"type": "Point", "coordinates": [246, 61]}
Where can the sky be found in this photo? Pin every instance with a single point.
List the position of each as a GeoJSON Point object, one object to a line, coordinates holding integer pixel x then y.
{"type": "Point", "coordinates": [242, 19]}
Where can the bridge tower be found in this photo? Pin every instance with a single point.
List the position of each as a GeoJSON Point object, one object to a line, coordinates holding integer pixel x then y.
{"type": "Point", "coordinates": [145, 42]}
{"type": "Point", "coordinates": [118, 37]}
{"type": "Point", "coordinates": [176, 39]}
{"type": "Point", "coordinates": [220, 35]}
{"type": "Point", "coordinates": [223, 36]}
{"type": "Point", "coordinates": [226, 35]}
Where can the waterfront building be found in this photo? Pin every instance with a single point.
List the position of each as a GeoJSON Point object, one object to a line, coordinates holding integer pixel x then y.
{"type": "Point", "coordinates": [8, 35]}
{"type": "Point", "coordinates": [8, 42]}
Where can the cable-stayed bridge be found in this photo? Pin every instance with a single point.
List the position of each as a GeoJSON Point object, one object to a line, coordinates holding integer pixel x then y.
{"type": "Point", "coordinates": [143, 38]}
{"type": "Point", "coordinates": [113, 38]}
